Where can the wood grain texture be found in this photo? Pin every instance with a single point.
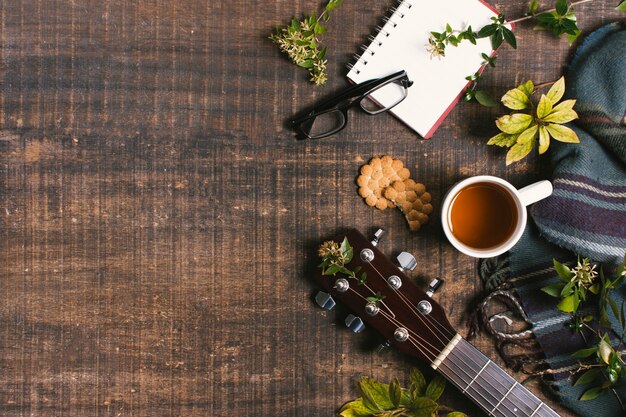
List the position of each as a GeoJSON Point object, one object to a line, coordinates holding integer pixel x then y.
{"type": "Point", "coordinates": [159, 222]}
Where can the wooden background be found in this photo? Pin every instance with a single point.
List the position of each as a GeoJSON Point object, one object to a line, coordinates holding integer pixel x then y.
{"type": "Point", "coordinates": [159, 221]}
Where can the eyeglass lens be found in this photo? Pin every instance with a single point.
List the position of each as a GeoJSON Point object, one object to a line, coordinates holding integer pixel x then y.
{"type": "Point", "coordinates": [327, 123]}
{"type": "Point", "coordinates": [383, 97]}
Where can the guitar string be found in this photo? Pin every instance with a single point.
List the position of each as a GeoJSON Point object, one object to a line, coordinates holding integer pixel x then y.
{"type": "Point", "coordinates": [435, 322]}
{"type": "Point", "coordinates": [434, 355]}
{"type": "Point", "coordinates": [414, 309]}
{"type": "Point", "coordinates": [415, 342]}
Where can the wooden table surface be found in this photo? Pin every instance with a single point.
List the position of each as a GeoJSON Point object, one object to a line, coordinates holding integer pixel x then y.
{"type": "Point", "coordinates": [159, 222]}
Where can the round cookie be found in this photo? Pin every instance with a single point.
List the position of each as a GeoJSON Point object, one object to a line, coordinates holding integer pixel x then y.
{"type": "Point", "coordinates": [413, 200]}
{"type": "Point", "coordinates": [377, 175]}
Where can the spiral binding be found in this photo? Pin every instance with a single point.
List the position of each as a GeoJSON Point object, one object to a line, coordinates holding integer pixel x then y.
{"type": "Point", "coordinates": [394, 15]}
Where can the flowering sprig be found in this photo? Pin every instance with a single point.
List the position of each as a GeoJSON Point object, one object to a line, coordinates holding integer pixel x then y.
{"type": "Point", "coordinates": [300, 41]}
{"type": "Point", "coordinates": [335, 257]}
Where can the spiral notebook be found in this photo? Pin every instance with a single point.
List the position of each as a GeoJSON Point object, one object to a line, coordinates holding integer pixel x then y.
{"type": "Point", "coordinates": [438, 83]}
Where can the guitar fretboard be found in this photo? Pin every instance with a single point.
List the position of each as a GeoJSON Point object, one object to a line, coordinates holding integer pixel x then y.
{"type": "Point", "coordinates": [488, 385]}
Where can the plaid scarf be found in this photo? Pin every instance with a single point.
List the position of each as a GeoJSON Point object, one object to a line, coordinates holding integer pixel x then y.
{"type": "Point", "coordinates": [585, 216]}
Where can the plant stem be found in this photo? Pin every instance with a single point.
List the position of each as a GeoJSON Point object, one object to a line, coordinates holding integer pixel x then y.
{"type": "Point", "coordinates": [530, 16]}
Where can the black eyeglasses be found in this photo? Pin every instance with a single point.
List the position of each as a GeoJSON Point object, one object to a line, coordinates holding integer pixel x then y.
{"type": "Point", "coordinates": [374, 97]}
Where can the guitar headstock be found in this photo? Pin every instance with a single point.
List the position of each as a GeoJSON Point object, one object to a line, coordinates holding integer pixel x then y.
{"type": "Point", "coordinates": [386, 300]}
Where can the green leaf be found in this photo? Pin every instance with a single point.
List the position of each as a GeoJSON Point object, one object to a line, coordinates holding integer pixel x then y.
{"type": "Point", "coordinates": [307, 63]}
{"type": "Point", "coordinates": [509, 37]}
{"type": "Point", "coordinates": [591, 394]}
{"type": "Point", "coordinates": [528, 135]}
{"type": "Point", "coordinates": [331, 270]}
{"type": "Point", "coordinates": [544, 139]}
{"type": "Point", "coordinates": [562, 116]}
{"type": "Point", "coordinates": [456, 414]}
{"type": "Point", "coordinates": [516, 99]}
{"type": "Point", "coordinates": [568, 304]}
{"type": "Point", "coordinates": [448, 28]}
{"type": "Point", "coordinates": [605, 350]}
{"type": "Point", "coordinates": [564, 105]}
{"type": "Point", "coordinates": [503, 139]}
{"type": "Point", "coordinates": [346, 250]}
{"type": "Point", "coordinates": [486, 31]}
{"type": "Point", "coordinates": [584, 353]}
{"type": "Point", "coordinates": [622, 6]}
{"type": "Point", "coordinates": [356, 408]}
{"type": "Point", "coordinates": [561, 7]}
{"type": "Point", "coordinates": [319, 29]}
{"type": "Point", "coordinates": [519, 151]}
{"type": "Point", "coordinates": [422, 407]}
{"type": "Point", "coordinates": [484, 98]}
{"type": "Point", "coordinates": [395, 393]}
{"type": "Point", "coordinates": [556, 91]}
{"type": "Point", "coordinates": [375, 394]}
{"type": "Point", "coordinates": [496, 39]}
{"type": "Point", "coordinates": [528, 88]}
{"type": "Point", "coordinates": [532, 7]}
{"type": "Point", "coordinates": [544, 107]}
{"type": "Point", "coordinates": [571, 38]}
{"type": "Point", "coordinates": [562, 133]}
{"type": "Point", "coordinates": [588, 376]}
{"type": "Point", "coordinates": [514, 123]}
{"type": "Point", "coordinates": [554, 290]}
{"type": "Point", "coordinates": [563, 271]}
{"type": "Point", "coordinates": [418, 382]}
{"type": "Point", "coordinates": [435, 387]}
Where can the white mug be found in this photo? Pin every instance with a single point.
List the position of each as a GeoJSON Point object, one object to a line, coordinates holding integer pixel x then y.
{"type": "Point", "coordinates": [522, 198]}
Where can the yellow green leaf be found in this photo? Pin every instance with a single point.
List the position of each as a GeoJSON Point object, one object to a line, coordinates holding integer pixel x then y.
{"type": "Point", "coordinates": [544, 139]}
{"type": "Point", "coordinates": [528, 88]}
{"type": "Point", "coordinates": [356, 408]}
{"type": "Point", "coordinates": [544, 107]}
{"type": "Point", "coordinates": [562, 133]}
{"type": "Point", "coordinates": [518, 151]}
{"type": "Point", "coordinates": [564, 105]}
{"type": "Point", "coordinates": [604, 349]}
{"type": "Point", "coordinates": [515, 99]}
{"type": "Point", "coordinates": [503, 139]}
{"type": "Point", "coordinates": [528, 134]}
{"type": "Point", "coordinates": [562, 116]}
{"type": "Point", "coordinates": [556, 91]}
{"type": "Point", "coordinates": [514, 123]}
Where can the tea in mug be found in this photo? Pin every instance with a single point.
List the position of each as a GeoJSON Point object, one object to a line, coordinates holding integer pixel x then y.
{"type": "Point", "coordinates": [483, 215]}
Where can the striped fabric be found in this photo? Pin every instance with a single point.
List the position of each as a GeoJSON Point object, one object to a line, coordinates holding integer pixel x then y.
{"type": "Point", "coordinates": [585, 216]}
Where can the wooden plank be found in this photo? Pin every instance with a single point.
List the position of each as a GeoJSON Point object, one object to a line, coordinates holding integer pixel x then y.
{"type": "Point", "coordinates": [160, 223]}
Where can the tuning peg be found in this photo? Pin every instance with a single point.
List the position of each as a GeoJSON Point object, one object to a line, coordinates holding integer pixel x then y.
{"type": "Point", "coordinates": [434, 285]}
{"type": "Point", "coordinates": [325, 300]}
{"type": "Point", "coordinates": [383, 348]}
{"type": "Point", "coordinates": [406, 261]}
{"type": "Point", "coordinates": [377, 236]}
{"type": "Point", "coordinates": [354, 323]}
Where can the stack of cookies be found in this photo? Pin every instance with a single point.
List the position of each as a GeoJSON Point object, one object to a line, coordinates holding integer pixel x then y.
{"type": "Point", "coordinates": [384, 182]}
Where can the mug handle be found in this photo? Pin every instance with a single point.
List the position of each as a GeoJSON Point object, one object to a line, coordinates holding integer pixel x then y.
{"type": "Point", "coordinates": [535, 192]}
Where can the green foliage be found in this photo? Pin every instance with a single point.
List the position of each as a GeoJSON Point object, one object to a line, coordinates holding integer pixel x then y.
{"type": "Point", "coordinates": [603, 366]}
{"type": "Point", "coordinates": [560, 21]}
{"type": "Point", "coordinates": [621, 6]}
{"type": "Point", "coordinates": [391, 400]}
{"type": "Point", "coordinates": [482, 97]}
{"type": "Point", "coordinates": [300, 41]}
{"type": "Point", "coordinates": [520, 131]}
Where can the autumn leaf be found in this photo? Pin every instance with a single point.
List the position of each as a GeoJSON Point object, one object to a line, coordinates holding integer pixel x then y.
{"type": "Point", "coordinates": [514, 123]}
